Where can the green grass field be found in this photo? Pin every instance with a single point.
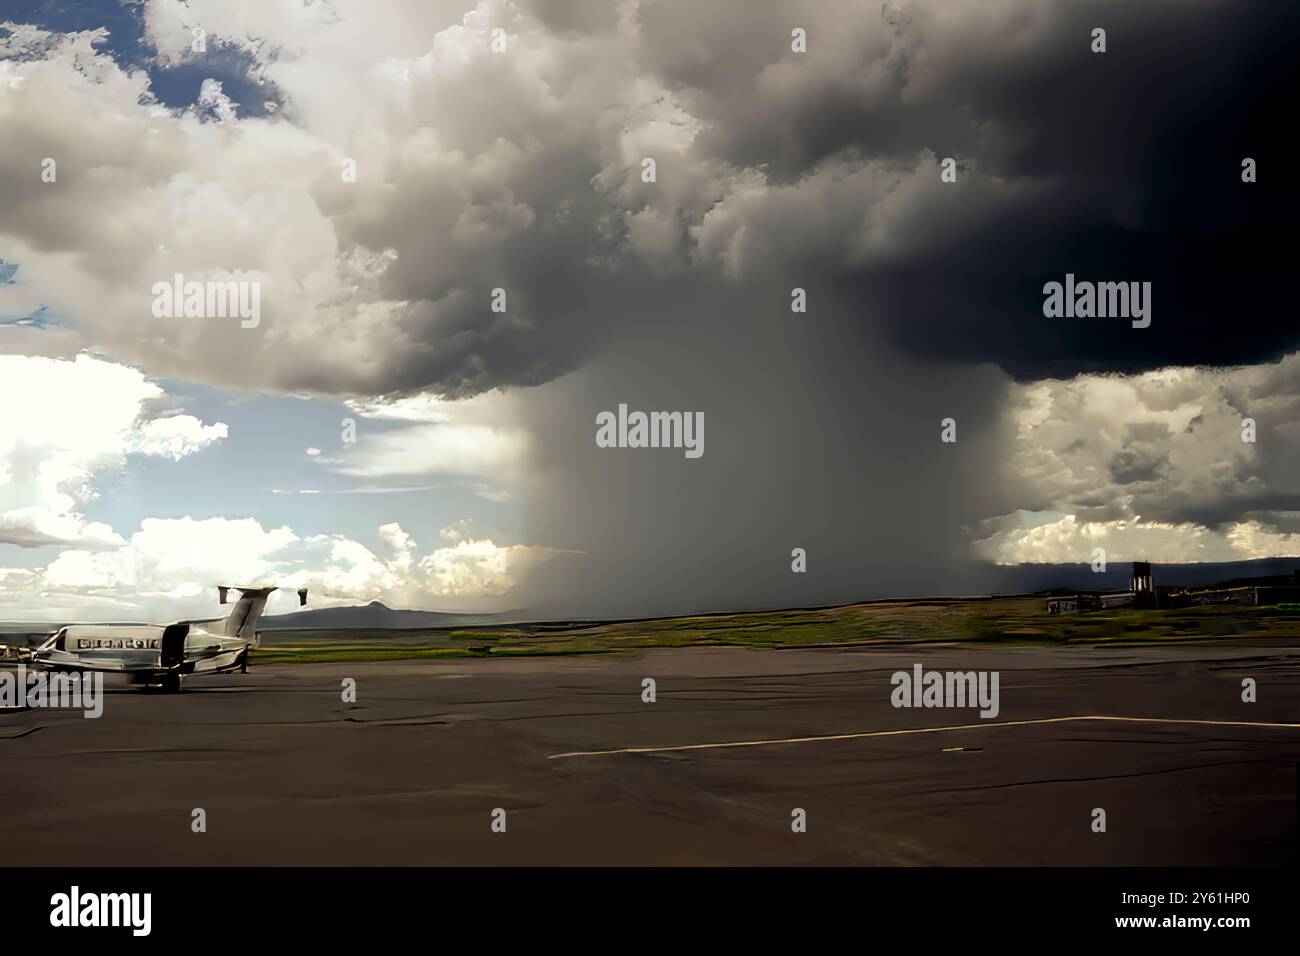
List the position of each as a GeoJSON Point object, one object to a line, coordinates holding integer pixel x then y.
{"type": "Point", "coordinates": [1014, 620]}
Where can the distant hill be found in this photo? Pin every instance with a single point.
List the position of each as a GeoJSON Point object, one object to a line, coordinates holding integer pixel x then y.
{"type": "Point", "coordinates": [372, 615]}
{"type": "Point", "coordinates": [1002, 580]}
{"type": "Point", "coordinates": [1042, 578]}
{"type": "Point", "coordinates": [1015, 579]}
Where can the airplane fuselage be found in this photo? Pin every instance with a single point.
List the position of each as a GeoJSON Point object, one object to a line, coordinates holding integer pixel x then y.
{"type": "Point", "coordinates": [147, 654]}
{"type": "Point", "coordinates": [161, 654]}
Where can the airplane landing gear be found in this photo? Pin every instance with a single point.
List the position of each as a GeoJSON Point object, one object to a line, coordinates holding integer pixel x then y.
{"type": "Point", "coordinates": [171, 683]}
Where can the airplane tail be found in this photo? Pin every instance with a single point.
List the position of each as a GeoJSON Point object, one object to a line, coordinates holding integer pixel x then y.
{"type": "Point", "coordinates": [242, 621]}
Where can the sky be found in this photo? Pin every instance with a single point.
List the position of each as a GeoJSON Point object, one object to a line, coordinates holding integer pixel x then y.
{"type": "Point", "coordinates": [461, 260]}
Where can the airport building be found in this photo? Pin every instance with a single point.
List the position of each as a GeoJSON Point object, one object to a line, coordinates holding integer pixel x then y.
{"type": "Point", "coordinates": [1142, 593]}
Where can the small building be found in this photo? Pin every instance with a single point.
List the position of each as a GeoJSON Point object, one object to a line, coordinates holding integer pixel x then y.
{"type": "Point", "coordinates": [1141, 580]}
{"type": "Point", "coordinates": [1142, 586]}
{"type": "Point", "coordinates": [1063, 605]}
{"type": "Point", "coordinates": [1141, 593]}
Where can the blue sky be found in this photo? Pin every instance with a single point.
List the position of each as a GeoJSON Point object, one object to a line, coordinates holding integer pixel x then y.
{"type": "Point", "coordinates": [177, 86]}
{"type": "Point", "coordinates": [260, 470]}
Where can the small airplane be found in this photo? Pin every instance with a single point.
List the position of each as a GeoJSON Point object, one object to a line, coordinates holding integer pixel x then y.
{"type": "Point", "coordinates": [162, 655]}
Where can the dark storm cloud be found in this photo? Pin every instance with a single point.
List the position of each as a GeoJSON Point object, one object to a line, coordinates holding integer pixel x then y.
{"type": "Point", "coordinates": [1135, 155]}
{"type": "Point", "coordinates": [521, 170]}
{"type": "Point", "coordinates": [1122, 166]}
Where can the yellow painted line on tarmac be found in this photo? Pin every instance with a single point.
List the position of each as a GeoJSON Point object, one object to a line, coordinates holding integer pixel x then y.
{"type": "Point", "coordinates": [921, 730]}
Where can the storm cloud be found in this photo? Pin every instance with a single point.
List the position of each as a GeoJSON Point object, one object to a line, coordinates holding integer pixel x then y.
{"type": "Point", "coordinates": [501, 151]}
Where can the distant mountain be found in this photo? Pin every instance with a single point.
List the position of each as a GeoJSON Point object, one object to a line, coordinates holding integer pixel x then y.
{"type": "Point", "coordinates": [372, 615]}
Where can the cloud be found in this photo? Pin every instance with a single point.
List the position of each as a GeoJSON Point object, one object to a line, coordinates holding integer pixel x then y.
{"type": "Point", "coordinates": [1063, 169]}
{"type": "Point", "coordinates": [214, 104]}
{"type": "Point", "coordinates": [463, 530]}
{"type": "Point", "coordinates": [85, 417]}
{"type": "Point", "coordinates": [399, 544]}
{"type": "Point", "coordinates": [174, 436]}
{"type": "Point", "coordinates": [471, 574]}
{"type": "Point", "coordinates": [521, 170]}
{"type": "Point", "coordinates": [170, 567]}
{"type": "Point", "coordinates": [33, 527]}
{"type": "Point", "coordinates": [88, 416]}
{"type": "Point", "coordinates": [1068, 540]}
{"type": "Point", "coordinates": [1155, 463]}
{"type": "Point", "coordinates": [425, 436]}
{"type": "Point", "coordinates": [423, 407]}
{"type": "Point", "coordinates": [423, 450]}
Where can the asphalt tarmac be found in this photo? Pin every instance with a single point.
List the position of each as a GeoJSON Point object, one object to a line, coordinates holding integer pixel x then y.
{"type": "Point", "coordinates": [287, 773]}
